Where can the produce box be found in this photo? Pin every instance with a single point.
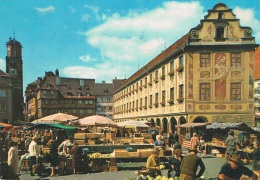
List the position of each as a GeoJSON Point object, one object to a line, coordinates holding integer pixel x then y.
{"type": "Point", "coordinates": [133, 154]}
{"type": "Point", "coordinates": [145, 152]}
{"type": "Point", "coordinates": [80, 136]}
{"type": "Point", "coordinates": [80, 142]}
{"type": "Point", "coordinates": [147, 135]}
{"type": "Point", "coordinates": [138, 140]}
{"type": "Point", "coordinates": [92, 135]}
{"type": "Point", "coordinates": [120, 153]}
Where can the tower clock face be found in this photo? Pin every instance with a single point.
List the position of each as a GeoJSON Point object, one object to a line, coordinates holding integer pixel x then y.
{"type": "Point", "coordinates": [12, 71]}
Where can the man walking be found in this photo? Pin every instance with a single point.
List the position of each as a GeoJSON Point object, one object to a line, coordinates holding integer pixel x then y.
{"type": "Point", "coordinates": [231, 145]}
{"type": "Point", "coordinates": [190, 164]}
{"type": "Point", "coordinates": [34, 153]}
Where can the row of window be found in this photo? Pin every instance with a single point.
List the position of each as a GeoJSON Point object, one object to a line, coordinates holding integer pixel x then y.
{"type": "Point", "coordinates": [69, 111]}
{"type": "Point", "coordinates": [155, 76]}
{"type": "Point", "coordinates": [67, 101]}
{"type": "Point", "coordinates": [235, 60]}
{"type": "Point", "coordinates": [104, 100]}
{"type": "Point", "coordinates": [104, 108]}
{"type": "Point", "coordinates": [204, 93]}
{"type": "Point", "coordinates": [153, 101]}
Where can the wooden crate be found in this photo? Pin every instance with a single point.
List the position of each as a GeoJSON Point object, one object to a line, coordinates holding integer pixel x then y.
{"type": "Point", "coordinates": [79, 136]}
{"type": "Point", "coordinates": [80, 141]}
{"type": "Point", "coordinates": [112, 168]}
{"type": "Point", "coordinates": [145, 152]}
{"type": "Point", "coordinates": [92, 135]}
{"type": "Point", "coordinates": [133, 154]}
{"type": "Point", "coordinates": [127, 140]}
{"type": "Point", "coordinates": [120, 153]}
{"type": "Point", "coordinates": [147, 135]}
{"type": "Point", "coordinates": [91, 142]}
{"type": "Point", "coordinates": [138, 140]}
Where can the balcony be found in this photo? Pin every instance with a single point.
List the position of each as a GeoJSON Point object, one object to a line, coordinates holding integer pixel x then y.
{"type": "Point", "coordinates": [180, 69]}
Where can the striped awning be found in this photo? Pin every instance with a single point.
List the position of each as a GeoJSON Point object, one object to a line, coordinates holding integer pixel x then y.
{"type": "Point", "coordinates": [238, 126]}
{"type": "Point", "coordinates": [188, 125]}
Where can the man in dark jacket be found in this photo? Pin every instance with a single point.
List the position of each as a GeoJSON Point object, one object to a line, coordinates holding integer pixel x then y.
{"type": "Point", "coordinates": [76, 155]}
{"type": "Point", "coordinates": [190, 164]}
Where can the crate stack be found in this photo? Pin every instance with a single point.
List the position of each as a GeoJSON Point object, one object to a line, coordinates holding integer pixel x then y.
{"type": "Point", "coordinates": [80, 138]}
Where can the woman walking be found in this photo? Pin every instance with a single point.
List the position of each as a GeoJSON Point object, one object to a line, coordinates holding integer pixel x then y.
{"type": "Point", "coordinates": [53, 156]}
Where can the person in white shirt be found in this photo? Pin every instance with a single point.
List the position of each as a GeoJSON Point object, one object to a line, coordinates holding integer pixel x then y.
{"type": "Point", "coordinates": [63, 147]}
{"type": "Point", "coordinates": [13, 160]}
{"type": "Point", "coordinates": [34, 153]}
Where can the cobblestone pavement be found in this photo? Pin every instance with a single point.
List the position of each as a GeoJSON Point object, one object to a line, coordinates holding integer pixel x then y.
{"type": "Point", "coordinates": [212, 163]}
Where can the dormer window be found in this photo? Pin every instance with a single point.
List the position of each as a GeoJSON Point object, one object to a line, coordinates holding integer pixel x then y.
{"type": "Point", "coordinates": [220, 34]}
{"type": "Point", "coordinates": [220, 15]}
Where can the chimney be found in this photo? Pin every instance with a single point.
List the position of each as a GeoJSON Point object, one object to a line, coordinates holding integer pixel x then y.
{"type": "Point", "coordinates": [57, 73]}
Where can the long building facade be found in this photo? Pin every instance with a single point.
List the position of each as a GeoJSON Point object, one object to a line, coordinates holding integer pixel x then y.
{"type": "Point", "coordinates": [205, 76]}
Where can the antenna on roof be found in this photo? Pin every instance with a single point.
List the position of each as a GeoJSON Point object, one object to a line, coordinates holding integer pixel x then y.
{"type": "Point", "coordinates": [14, 33]}
{"type": "Point", "coordinates": [141, 38]}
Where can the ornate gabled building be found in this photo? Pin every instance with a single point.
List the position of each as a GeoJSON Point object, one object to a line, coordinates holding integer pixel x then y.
{"type": "Point", "coordinates": [53, 94]}
{"type": "Point", "coordinates": [205, 76]}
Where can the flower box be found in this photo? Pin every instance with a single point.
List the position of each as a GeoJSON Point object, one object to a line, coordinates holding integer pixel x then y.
{"type": "Point", "coordinates": [145, 86]}
{"type": "Point", "coordinates": [162, 77]}
{"type": "Point", "coordinates": [171, 101]}
{"type": "Point", "coordinates": [150, 106]}
{"type": "Point", "coordinates": [162, 103]}
{"type": "Point", "coordinates": [145, 107]}
{"type": "Point", "coordinates": [155, 80]}
{"type": "Point", "coordinates": [171, 73]}
{"type": "Point", "coordinates": [150, 84]}
{"type": "Point", "coordinates": [140, 88]}
{"type": "Point", "coordinates": [180, 69]}
{"type": "Point", "coordinates": [156, 104]}
{"type": "Point", "coordinates": [180, 100]}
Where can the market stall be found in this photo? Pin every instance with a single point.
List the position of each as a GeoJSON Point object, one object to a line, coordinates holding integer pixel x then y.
{"type": "Point", "coordinates": [186, 130]}
{"type": "Point", "coordinates": [219, 131]}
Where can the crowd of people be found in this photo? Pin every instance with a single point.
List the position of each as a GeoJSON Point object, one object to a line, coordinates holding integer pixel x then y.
{"type": "Point", "coordinates": [190, 166]}
{"type": "Point", "coordinates": [180, 165]}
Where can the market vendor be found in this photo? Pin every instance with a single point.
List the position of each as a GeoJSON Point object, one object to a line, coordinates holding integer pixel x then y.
{"type": "Point", "coordinates": [63, 147]}
{"type": "Point", "coordinates": [256, 156]}
{"type": "Point", "coordinates": [153, 163]}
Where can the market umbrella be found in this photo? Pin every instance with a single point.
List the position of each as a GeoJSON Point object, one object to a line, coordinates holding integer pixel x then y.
{"type": "Point", "coordinates": [132, 124]}
{"type": "Point", "coordinates": [96, 120]}
{"type": "Point", "coordinates": [58, 117]}
{"type": "Point", "coordinates": [7, 126]}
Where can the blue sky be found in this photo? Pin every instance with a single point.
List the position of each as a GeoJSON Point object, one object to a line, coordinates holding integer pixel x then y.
{"type": "Point", "coordinates": [103, 39]}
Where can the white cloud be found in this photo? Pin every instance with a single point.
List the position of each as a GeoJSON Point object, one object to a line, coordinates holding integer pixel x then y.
{"type": "Point", "coordinates": [95, 10]}
{"type": "Point", "coordinates": [86, 58]}
{"type": "Point", "coordinates": [85, 17]}
{"type": "Point", "coordinates": [2, 64]}
{"type": "Point", "coordinates": [129, 42]}
{"type": "Point", "coordinates": [247, 18]}
{"type": "Point", "coordinates": [45, 10]}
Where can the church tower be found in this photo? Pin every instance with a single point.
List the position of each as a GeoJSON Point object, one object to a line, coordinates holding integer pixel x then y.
{"type": "Point", "coordinates": [14, 67]}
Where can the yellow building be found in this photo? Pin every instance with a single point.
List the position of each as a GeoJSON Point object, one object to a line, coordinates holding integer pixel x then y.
{"type": "Point", "coordinates": [206, 76]}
